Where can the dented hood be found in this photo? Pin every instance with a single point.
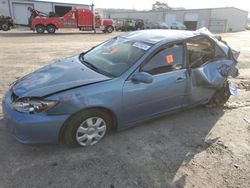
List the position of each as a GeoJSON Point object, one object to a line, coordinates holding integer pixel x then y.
{"type": "Point", "coordinates": [56, 77]}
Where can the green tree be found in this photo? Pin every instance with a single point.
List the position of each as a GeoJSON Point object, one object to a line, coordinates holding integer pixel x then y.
{"type": "Point", "coordinates": [160, 6]}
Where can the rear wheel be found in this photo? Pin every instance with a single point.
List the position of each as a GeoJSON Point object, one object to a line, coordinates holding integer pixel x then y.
{"type": "Point", "coordinates": [109, 29]}
{"type": "Point", "coordinates": [86, 128]}
{"type": "Point", "coordinates": [40, 29]}
{"type": "Point", "coordinates": [5, 27]}
{"type": "Point", "coordinates": [51, 29]}
{"type": "Point", "coordinates": [221, 96]}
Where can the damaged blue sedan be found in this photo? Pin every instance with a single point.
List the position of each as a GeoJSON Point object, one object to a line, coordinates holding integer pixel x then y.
{"type": "Point", "coordinates": [126, 80]}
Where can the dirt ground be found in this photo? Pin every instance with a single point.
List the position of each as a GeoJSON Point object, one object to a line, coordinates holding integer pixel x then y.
{"type": "Point", "coordinates": [202, 147]}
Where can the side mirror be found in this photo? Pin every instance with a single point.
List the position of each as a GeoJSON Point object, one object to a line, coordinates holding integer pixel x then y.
{"type": "Point", "coordinates": [142, 77]}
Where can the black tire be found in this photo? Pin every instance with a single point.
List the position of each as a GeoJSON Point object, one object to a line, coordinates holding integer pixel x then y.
{"type": "Point", "coordinates": [69, 131]}
{"type": "Point", "coordinates": [40, 29]}
{"type": "Point", "coordinates": [110, 29]}
{"type": "Point", "coordinates": [5, 27]}
{"type": "Point", "coordinates": [51, 29]}
{"type": "Point", "coordinates": [221, 96]}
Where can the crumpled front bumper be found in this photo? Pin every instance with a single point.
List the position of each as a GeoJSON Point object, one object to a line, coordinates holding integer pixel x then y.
{"type": "Point", "coordinates": [32, 128]}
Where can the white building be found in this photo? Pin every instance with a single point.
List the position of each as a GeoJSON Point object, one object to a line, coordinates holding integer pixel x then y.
{"type": "Point", "coordinates": [224, 19]}
{"type": "Point", "coordinates": [216, 19]}
{"type": "Point", "coordinates": [18, 9]}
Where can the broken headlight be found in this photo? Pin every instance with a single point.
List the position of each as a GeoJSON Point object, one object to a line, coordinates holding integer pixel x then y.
{"type": "Point", "coordinates": [31, 106]}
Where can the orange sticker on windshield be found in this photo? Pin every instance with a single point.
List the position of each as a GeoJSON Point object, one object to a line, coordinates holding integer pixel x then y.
{"type": "Point", "coordinates": [169, 59]}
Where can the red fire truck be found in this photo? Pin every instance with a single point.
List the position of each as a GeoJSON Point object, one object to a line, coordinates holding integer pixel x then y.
{"type": "Point", "coordinates": [83, 19]}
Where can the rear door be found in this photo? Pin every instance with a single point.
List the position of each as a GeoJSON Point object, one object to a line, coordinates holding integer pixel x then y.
{"type": "Point", "coordinates": [205, 59]}
{"type": "Point", "coordinates": [167, 91]}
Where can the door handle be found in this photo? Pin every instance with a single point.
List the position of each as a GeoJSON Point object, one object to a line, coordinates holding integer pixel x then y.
{"type": "Point", "coordinates": [180, 79]}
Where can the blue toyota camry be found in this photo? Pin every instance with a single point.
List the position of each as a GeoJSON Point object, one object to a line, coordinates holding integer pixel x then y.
{"type": "Point", "coordinates": [128, 79]}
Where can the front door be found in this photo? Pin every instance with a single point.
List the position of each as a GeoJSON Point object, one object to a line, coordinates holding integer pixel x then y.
{"type": "Point", "coordinates": [166, 92]}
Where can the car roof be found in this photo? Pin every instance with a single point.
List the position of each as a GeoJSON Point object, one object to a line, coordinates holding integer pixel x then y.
{"type": "Point", "coordinates": [157, 35]}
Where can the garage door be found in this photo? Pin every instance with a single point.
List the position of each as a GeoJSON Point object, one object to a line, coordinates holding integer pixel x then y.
{"type": "Point", "coordinates": [218, 26]}
{"type": "Point", "coordinates": [191, 16]}
{"type": "Point", "coordinates": [191, 20]}
{"type": "Point", "coordinates": [21, 13]}
{"type": "Point", "coordinates": [170, 18]}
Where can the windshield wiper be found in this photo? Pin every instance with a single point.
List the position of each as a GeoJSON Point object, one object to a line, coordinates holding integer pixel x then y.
{"type": "Point", "coordinates": [81, 57]}
{"type": "Point", "coordinates": [91, 66]}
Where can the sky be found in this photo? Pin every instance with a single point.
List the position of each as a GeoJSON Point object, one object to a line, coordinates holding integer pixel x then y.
{"type": "Point", "coordinates": [147, 4]}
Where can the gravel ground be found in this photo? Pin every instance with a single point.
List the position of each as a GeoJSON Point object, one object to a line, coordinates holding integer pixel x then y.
{"type": "Point", "coordinates": [201, 147]}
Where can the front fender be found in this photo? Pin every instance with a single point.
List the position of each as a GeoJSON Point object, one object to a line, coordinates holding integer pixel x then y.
{"type": "Point", "coordinates": [106, 95]}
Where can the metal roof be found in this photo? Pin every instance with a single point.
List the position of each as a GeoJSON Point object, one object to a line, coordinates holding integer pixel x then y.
{"type": "Point", "coordinates": [158, 35]}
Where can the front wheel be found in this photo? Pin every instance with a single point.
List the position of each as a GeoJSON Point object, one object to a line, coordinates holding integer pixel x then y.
{"type": "Point", "coordinates": [86, 128]}
{"type": "Point", "coordinates": [5, 27]}
{"type": "Point", "coordinates": [109, 29]}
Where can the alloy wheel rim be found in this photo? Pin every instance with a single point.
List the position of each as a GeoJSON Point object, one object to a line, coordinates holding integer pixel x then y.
{"type": "Point", "coordinates": [91, 131]}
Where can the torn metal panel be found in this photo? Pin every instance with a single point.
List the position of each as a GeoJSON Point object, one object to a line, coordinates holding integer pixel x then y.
{"type": "Point", "coordinates": [213, 74]}
{"type": "Point", "coordinates": [220, 42]}
{"type": "Point", "coordinates": [236, 53]}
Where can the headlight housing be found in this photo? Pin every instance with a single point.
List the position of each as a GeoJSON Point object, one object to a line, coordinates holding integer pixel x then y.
{"type": "Point", "coordinates": [29, 105]}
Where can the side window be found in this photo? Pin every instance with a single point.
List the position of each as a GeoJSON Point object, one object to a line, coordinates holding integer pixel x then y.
{"type": "Point", "coordinates": [166, 60]}
{"type": "Point", "coordinates": [201, 50]}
